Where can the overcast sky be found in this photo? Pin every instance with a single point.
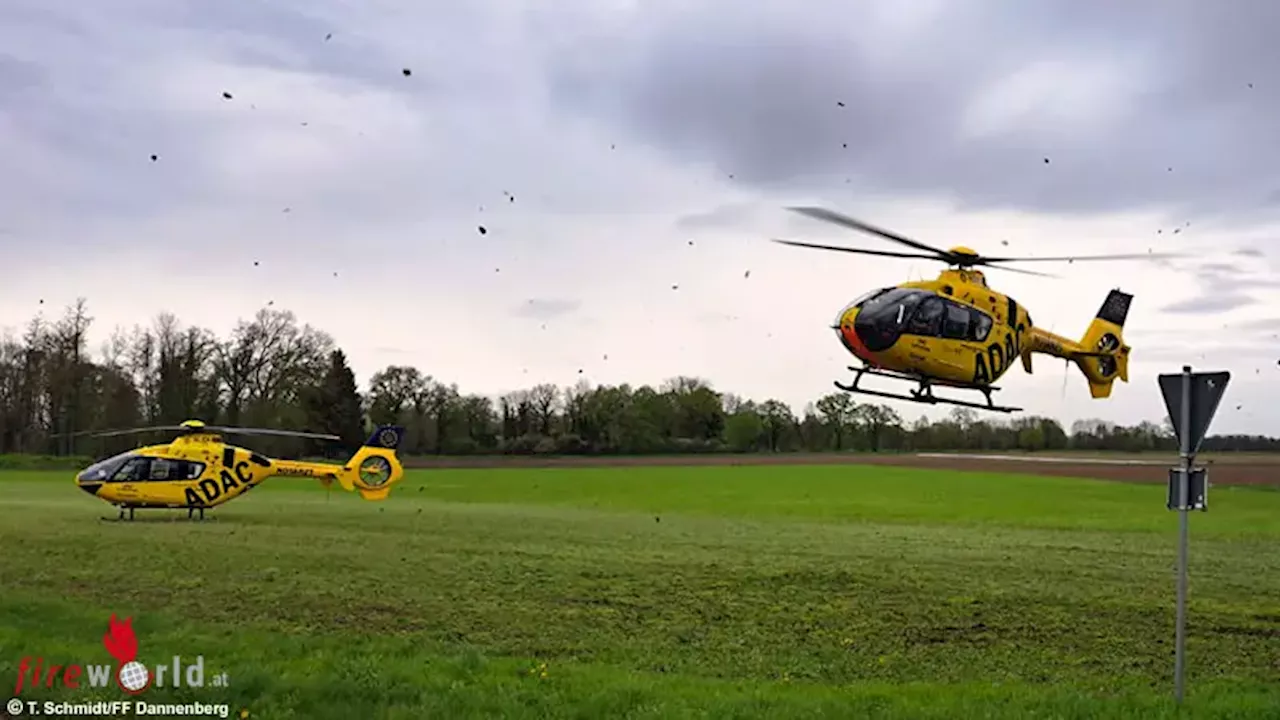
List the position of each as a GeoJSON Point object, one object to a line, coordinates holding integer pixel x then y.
{"type": "Point", "coordinates": [630, 165]}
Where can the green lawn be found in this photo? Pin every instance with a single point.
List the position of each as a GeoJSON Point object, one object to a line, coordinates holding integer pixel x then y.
{"type": "Point", "coordinates": [804, 591]}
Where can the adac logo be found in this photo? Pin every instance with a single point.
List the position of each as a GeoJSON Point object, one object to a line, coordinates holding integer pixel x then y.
{"type": "Point", "coordinates": [132, 676]}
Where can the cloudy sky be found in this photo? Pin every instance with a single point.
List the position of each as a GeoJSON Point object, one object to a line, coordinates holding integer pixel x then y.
{"type": "Point", "coordinates": [629, 165]}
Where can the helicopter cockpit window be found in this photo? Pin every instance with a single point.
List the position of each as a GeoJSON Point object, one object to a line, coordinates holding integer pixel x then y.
{"type": "Point", "coordinates": [979, 325]}
{"type": "Point", "coordinates": [136, 470]}
{"type": "Point", "coordinates": [927, 319]}
{"type": "Point", "coordinates": [956, 324]}
{"type": "Point", "coordinates": [861, 300]}
{"type": "Point", "coordinates": [165, 470]}
{"type": "Point", "coordinates": [104, 469]}
{"type": "Point", "coordinates": [889, 310]}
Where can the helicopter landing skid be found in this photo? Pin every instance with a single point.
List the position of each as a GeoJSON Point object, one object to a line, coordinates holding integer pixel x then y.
{"type": "Point", "coordinates": [129, 509]}
{"type": "Point", "coordinates": [121, 517]}
{"type": "Point", "coordinates": [923, 394]}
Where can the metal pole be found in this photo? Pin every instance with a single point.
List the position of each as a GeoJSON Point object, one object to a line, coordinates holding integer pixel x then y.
{"type": "Point", "coordinates": [1185, 453]}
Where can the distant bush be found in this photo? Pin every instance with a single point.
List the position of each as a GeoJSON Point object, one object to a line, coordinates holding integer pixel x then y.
{"type": "Point", "coordinates": [70, 463]}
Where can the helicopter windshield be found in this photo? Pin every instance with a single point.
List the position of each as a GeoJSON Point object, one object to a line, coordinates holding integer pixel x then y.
{"type": "Point", "coordinates": [883, 317]}
{"type": "Point", "coordinates": [103, 470]}
{"type": "Point", "coordinates": [858, 303]}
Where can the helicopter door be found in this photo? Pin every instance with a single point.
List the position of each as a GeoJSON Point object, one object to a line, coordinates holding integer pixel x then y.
{"type": "Point", "coordinates": [956, 324]}
{"type": "Point", "coordinates": [927, 320]}
{"type": "Point", "coordinates": [162, 469]}
{"type": "Point", "coordinates": [980, 326]}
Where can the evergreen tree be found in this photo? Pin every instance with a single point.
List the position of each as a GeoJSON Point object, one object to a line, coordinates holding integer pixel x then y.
{"type": "Point", "coordinates": [334, 405]}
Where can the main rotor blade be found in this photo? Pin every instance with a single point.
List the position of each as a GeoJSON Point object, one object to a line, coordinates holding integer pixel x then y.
{"type": "Point", "coordinates": [845, 221]}
{"type": "Point", "coordinates": [1086, 258]}
{"type": "Point", "coordinates": [1023, 272]}
{"type": "Point", "coordinates": [267, 431]}
{"type": "Point", "coordinates": [131, 431]}
{"type": "Point", "coordinates": [859, 251]}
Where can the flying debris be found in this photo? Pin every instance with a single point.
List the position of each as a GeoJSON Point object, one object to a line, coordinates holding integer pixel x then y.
{"type": "Point", "coordinates": [255, 263]}
{"type": "Point", "coordinates": [690, 243]}
{"type": "Point", "coordinates": [155, 158]}
{"type": "Point", "coordinates": [226, 95]}
{"type": "Point", "coordinates": [746, 274]}
{"type": "Point", "coordinates": [407, 72]}
{"type": "Point", "coordinates": [1046, 161]}
{"type": "Point", "coordinates": [675, 287]}
{"type": "Point", "coordinates": [483, 230]}
{"type": "Point", "coordinates": [839, 103]}
{"type": "Point", "coordinates": [328, 37]}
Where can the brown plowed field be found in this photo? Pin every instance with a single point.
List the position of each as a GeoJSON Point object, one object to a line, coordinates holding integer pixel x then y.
{"type": "Point", "coordinates": [1153, 468]}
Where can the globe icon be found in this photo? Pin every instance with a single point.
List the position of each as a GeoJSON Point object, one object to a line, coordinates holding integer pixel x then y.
{"type": "Point", "coordinates": [134, 677]}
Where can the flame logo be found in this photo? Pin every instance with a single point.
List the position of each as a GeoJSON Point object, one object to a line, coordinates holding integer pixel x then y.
{"type": "Point", "coordinates": [120, 640]}
{"type": "Point", "coordinates": [132, 676]}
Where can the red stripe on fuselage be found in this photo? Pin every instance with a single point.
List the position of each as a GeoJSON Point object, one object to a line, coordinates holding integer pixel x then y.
{"type": "Point", "coordinates": [854, 344]}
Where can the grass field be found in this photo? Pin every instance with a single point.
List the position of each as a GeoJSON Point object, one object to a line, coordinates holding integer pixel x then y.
{"type": "Point", "coordinates": [798, 591]}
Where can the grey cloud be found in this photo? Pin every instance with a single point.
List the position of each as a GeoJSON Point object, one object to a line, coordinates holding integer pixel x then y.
{"type": "Point", "coordinates": [1181, 351]}
{"type": "Point", "coordinates": [755, 90]}
{"type": "Point", "coordinates": [1266, 324]}
{"type": "Point", "coordinates": [1209, 304]}
{"type": "Point", "coordinates": [83, 106]}
{"type": "Point", "coordinates": [546, 308]}
{"type": "Point", "coordinates": [1224, 287]}
{"type": "Point", "coordinates": [729, 215]}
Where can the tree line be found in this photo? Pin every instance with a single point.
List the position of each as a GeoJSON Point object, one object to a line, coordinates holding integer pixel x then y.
{"type": "Point", "coordinates": [273, 372]}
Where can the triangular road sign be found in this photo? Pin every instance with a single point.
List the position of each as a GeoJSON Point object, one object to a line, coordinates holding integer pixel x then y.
{"type": "Point", "coordinates": [1206, 393]}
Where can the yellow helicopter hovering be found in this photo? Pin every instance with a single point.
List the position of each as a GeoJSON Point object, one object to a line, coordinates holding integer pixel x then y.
{"type": "Point", "coordinates": [198, 471]}
{"type": "Point", "coordinates": [957, 332]}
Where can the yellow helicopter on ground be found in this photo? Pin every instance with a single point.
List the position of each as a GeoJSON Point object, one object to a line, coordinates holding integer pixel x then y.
{"type": "Point", "coordinates": [198, 471]}
{"type": "Point", "coordinates": [957, 332]}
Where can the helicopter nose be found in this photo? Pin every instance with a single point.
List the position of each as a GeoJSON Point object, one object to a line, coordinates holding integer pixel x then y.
{"type": "Point", "coordinates": [850, 335]}
{"type": "Point", "coordinates": [89, 487]}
